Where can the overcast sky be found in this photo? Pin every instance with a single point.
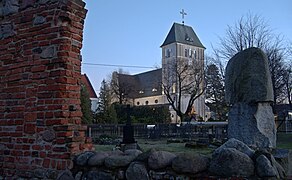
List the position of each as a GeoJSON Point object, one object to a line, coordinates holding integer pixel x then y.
{"type": "Point", "coordinates": [130, 32]}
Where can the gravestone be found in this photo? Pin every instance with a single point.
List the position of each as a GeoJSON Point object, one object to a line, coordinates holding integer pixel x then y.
{"type": "Point", "coordinates": [128, 133]}
{"type": "Point", "coordinates": [249, 92]}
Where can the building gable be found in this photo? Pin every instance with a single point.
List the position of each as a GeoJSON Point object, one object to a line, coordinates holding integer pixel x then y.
{"type": "Point", "coordinates": [181, 33]}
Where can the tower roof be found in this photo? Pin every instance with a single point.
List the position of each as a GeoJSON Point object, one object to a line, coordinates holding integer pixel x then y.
{"type": "Point", "coordinates": [182, 34]}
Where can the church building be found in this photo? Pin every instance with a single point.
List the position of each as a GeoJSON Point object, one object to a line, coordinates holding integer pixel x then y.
{"type": "Point", "coordinates": [182, 58]}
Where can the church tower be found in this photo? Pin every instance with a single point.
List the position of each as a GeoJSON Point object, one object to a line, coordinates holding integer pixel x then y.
{"type": "Point", "coordinates": [180, 48]}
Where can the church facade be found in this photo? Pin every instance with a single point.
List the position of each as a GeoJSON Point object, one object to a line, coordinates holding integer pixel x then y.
{"type": "Point", "coordinates": [181, 75]}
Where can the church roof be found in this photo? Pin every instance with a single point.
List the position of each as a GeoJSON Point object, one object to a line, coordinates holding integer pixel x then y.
{"type": "Point", "coordinates": [182, 34]}
{"type": "Point", "coordinates": [85, 80]}
{"type": "Point", "coordinates": [143, 84]}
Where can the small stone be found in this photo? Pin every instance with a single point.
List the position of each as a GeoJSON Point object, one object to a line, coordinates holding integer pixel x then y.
{"type": "Point", "coordinates": [52, 174]}
{"type": "Point", "coordinates": [40, 173]}
{"type": "Point", "coordinates": [11, 7]}
{"type": "Point", "coordinates": [160, 159]}
{"type": "Point", "coordinates": [81, 159]}
{"type": "Point", "coordinates": [48, 135]}
{"type": "Point", "coordinates": [39, 20]}
{"type": "Point", "coordinates": [27, 3]}
{"type": "Point", "coordinates": [6, 30]}
{"type": "Point", "coordinates": [37, 50]}
{"type": "Point", "coordinates": [66, 175]}
{"type": "Point", "coordinates": [97, 175]}
{"type": "Point", "coordinates": [48, 52]}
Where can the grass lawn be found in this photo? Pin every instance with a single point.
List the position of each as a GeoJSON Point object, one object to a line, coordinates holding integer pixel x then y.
{"type": "Point", "coordinates": [284, 141]}
{"type": "Point", "coordinates": [161, 144]}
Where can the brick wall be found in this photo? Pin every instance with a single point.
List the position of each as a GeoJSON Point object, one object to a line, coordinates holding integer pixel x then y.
{"type": "Point", "coordinates": [40, 116]}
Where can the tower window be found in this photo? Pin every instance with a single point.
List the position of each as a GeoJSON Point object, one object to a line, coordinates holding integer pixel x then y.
{"type": "Point", "coordinates": [190, 53]}
{"type": "Point", "coordinates": [146, 102]}
{"type": "Point", "coordinates": [167, 52]}
{"type": "Point", "coordinates": [156, 101]}
{"type": "Point", "coordinates": [186, 53]}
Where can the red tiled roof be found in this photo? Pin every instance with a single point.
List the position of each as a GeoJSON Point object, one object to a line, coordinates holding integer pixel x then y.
{"type": "Point", "coordinates": [89, 87]}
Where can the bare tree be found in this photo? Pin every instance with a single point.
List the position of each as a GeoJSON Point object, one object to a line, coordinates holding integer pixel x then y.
{"type": "Point", "coordinates": [183, 78]}
{"type": "Point", "coordinates": [120, 87]}
{"type": "Point", "coordinates": [253, 31]}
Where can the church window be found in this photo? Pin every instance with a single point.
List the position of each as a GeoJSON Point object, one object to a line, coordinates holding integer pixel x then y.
{"type": "Point", "coordinates": [156, 101]}
{"type": "Point", "coordinates": [146, 102]}
{"type": "Point", "coordinates": [186, 52]}
{"type": "Point", "coordinates": [141, 92]}
{"type": "Point", "coordinates": [194, 54]}
{"type": "Point", "coordinates": [154, 90]}
{"type": "Point", "coordinates": [190, 53]}
{"type": "Point", "coordinates": [138, 103]}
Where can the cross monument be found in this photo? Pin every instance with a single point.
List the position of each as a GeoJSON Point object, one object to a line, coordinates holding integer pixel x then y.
{"type": "Point", "coordinates": [183, 13]}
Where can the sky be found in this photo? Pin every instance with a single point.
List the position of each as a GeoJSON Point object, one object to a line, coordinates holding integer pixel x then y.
{"type": "Point", "coordinates": [130, 32]}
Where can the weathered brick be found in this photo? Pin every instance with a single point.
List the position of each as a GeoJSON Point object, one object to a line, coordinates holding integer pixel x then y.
{"type": "Point", "coordinates": [40, 65]}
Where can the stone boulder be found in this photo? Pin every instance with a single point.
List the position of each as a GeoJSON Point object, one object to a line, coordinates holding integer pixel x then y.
{"type": "Point", "coordinates": [264, 167]}
{"type": "Point", "coordinates": [248, 78]}
{"type": "Point", "coordinates": [134, 152]}
{"type": "Point", "coordinates": [238, 145]}
{"type": "Point", "coordinates": [160, 159]}
{"type": "Point", "coordinates": [249, 90]}
{"type": "Point", "coordinates": [118, 161]}
{"type": "Point", "coordinates": [137, 170]}
{"type": "Point", "coordinates": [269, 167]}
{"type": "Point", "coordinates": [81, 159]}
{"type": "Point", "coordinates": [97, 175]}
{"type": "Point", "coordinates": [284, 158]}
{"type": "Point", "coordinates": [190, 163]}
{"type": "Point", "coordinates": [229, 162]}
{"type": "Point", "coordinates": [97, 159]}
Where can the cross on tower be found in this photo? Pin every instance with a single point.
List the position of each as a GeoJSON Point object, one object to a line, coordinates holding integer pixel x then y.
{"type": "Point", "coordinates": [183, 13]}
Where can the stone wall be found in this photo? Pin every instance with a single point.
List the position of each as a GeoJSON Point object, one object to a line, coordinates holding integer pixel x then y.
{"type": "Point", "coordinates": [232, 160]}
{"type": "Point", "coordinates": [40, 116]}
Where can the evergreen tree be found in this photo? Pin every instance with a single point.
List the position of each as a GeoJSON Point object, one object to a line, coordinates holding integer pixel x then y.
{"type": "Point", "coordinates": [85, 106]}
{"type": "Point", "coordinates": [215, 91]}
{"type": "Point", "coordinates": [105, 112]}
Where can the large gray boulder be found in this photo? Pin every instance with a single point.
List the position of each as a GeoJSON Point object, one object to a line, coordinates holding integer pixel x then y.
{"type": "Point", "coordinates": [249, 90]}
{"type": "Point", "coordinates": [190, 163]}
{"type": "Point", "coordinates": [284, 158]}
{"type": "Point", "coordinates": [118, 161]}
{"type": "Point", "coordinates": [97, 159]}
{"type": "Point", "coordinates": [160, 159]}
{"type": "Point", "coordinates": [248, 78]}
{"type": "Point", "coordinates": [137, 170]}
{"type": "Point", "coordinates": [264, 167]}
{"type": "Point", "coordinates": [229, 162]}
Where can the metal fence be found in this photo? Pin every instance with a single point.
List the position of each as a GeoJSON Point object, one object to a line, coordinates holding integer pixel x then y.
{"type": "Point", "coordinates": [216, 130]}
{"type": "Point", "coordinates": [284, 126]}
